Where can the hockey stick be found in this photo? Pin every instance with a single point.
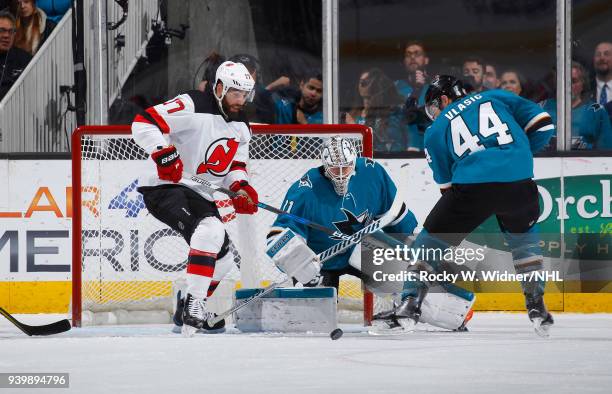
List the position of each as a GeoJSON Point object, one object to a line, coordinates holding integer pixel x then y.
{"type": "Point", "coordinates": [270, 208]}
{"type": "Point", "coordinates": [46, 329]}
{"type": "Point", "coordinates": [388, 217]}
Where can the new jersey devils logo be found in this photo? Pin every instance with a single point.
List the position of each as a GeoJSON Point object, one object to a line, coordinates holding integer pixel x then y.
{"type": "Point", "coordinates": [219, 156]}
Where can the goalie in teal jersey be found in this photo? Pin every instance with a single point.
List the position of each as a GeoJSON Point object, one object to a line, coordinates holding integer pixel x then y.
{"type": "Point", "coordinates": [480, 148]}
{"type": "Point", "coordinates": [347, 193]}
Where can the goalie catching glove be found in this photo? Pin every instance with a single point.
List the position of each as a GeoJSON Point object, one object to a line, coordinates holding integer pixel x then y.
{"type": "Point", "coordinates": [246, 201]}
{"type": "Point", "coordinates": [292, 256]}
{"type": "Point", "coordinates": [169, 163]}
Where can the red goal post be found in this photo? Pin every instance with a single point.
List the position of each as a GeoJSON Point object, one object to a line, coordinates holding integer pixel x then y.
{"type": "Point", "coordinates": [108, 275]}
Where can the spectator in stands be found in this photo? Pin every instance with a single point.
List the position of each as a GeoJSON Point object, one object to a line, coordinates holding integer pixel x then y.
{"type": "Point", "coordinates": [602, 62]}
{"type": "Point", "coordinates": [261, 108]}
{"type": "Point", "coordinates": [490, 77]}
{"type": "Point", "coordinates": [281, 82]}
{"type": "Point", "coordinates": [55, 9]}
{"type": "Point", "coordinates": [33, 27]}
{"type": "Point", "coordinates": [412, 88]}
{"type": "Point", "coordinates": [545, 88]}
{"type": "Point", "coordinates": [211, 63]}
{"type": "Point", "coordinates": [306, 107]}
{"type": "Point", "coordinates": [513, 81]}
{"type": "Point", "coordinates": [591, 127]}
{"type": "Point", "coordinates": [10, 6]}
{"type": "Point", "coordinates": [415, 66]}
{"type": "Point", "coordinates": [379, 106]}
{"type": "Point", "coordinates": [12, 60]}
{"type": "Point", "coordinates": [473, 72]}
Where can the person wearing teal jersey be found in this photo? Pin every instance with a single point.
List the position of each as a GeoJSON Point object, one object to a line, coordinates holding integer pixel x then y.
{"type": "Point", "coordinates": [346, 193]}
{"type": "Point", "coordinates": [411, 88]}
{"type": "Point", "coordinates": [480, 148]}
{"type": "Point", "coordinates": [305, 109]}
{"type": "Point", "coordinates": [591, 128]}
{"type": "Point", "coordinates": [378, 106]}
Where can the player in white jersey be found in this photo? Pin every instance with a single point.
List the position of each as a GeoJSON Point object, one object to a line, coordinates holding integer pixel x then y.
{"type": "Point", "coordinates": [205, 133]}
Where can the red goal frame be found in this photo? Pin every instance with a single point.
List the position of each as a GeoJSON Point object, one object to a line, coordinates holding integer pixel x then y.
{"type": "Point", "coordinates": [367, 141]}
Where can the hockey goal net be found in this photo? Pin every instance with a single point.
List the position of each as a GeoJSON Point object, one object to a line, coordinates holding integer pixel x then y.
{"type": "Point", "coordinates": [126, 263]}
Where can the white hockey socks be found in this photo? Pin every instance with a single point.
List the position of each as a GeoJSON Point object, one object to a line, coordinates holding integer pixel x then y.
{"type": "Point", "coordinates": [206, 243]}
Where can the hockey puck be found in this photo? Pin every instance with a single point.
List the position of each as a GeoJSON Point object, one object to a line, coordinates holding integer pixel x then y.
{"type": "Point", "coordinates": [336, 334]}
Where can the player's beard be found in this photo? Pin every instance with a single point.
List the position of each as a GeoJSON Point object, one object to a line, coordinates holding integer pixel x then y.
{"type": "Point", "coordinates": [232, 111]}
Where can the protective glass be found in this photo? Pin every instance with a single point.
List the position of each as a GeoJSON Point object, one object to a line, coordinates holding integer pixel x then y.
{"type": "Point", "coordinates": [432, 109]}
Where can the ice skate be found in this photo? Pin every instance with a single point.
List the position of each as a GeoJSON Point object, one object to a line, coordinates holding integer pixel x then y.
{"type": "Point", "coordinates": [385, 323]}
{"type": "Point", "coordinates": [542, 320]}
{"type": "Point", "coordinates": [179, 318]}
{"type": "Point", "coordinates": [401, 319]}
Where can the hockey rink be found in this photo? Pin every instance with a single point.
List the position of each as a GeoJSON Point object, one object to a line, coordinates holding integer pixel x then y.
{"type": "Point", "coordinates": [500, 354]}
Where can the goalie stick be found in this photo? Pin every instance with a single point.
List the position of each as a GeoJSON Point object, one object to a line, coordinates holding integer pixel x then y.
{"type": "Point", "coordinates": [272, 209]}
{"type": "Point", "coordinates": [388, 217]}
{"type": "Point", "coordinates": [45, 329]}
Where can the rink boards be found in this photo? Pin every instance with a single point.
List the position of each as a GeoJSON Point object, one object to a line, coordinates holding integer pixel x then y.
{"type": "Point", "coordinates": [36, 210]}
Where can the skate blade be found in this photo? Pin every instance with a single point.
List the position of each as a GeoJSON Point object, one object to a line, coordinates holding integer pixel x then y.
{"type": "Point", "coordinates": [541, 329]}
{"type": "Point", "coordinates": [188, 331]}
{"type": "Point", "coordinates": [177, 329]}
{"type": "Point", "coordinates": [212, 331]}
{"type": "Point", "coordinates": [382, 328]}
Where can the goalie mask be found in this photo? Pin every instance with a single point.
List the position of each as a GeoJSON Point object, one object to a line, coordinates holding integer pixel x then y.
{"type": "Point", "coordinates": [339, 157]}
{"type": "Point", "coordinates": [233, 76]}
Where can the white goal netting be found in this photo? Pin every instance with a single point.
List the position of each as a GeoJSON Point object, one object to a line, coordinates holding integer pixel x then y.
{"type": "Point", "coordinates": [130, 262]}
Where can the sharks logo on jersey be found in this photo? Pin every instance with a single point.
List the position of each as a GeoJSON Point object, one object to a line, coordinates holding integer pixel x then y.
{"type": "Point", "coordinates": [371, 192]}
{"type": "Point", "coordinates": [352, 223]}
{"type": "Point", "coordinates": [305, 181]}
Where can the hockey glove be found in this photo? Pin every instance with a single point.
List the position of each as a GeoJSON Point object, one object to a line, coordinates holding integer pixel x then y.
{"type": "Point", "coordinates": [247, 200]}
{"type": "Point", "coordinates": [169, 163]}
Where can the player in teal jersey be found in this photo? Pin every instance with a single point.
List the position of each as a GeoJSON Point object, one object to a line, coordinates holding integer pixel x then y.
{"type": "Point", "coordinates": [480, 148]}
{"type": "Point", "coordinates": [346, 193]}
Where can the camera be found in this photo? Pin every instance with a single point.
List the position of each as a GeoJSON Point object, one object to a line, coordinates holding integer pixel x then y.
{"type": "Point", "coordinates": [415, 114]}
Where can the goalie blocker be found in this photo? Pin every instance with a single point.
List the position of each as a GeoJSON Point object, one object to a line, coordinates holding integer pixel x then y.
{"type": "Point", "coordinates": [293, 257]}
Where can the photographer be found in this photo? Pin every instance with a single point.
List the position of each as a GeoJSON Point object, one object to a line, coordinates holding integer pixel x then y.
{"type": "Point", "coordinates": [415, 62]}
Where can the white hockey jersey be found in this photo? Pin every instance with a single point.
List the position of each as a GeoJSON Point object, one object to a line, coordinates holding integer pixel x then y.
{"type": "Point", "coordinates": [211, 147]}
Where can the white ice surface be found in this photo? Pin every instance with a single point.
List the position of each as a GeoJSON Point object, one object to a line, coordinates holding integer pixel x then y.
{"type": "Point", "coordinates": [501, 354]}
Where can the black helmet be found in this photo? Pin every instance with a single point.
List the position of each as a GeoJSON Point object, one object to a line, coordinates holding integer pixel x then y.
{"type": "Point", "coordinates": [249, 61]}
{"type": "Point", "coordinates": [442, 85]}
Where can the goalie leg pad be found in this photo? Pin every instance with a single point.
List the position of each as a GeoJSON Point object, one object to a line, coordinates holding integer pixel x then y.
{"type": "Point", "coordinates": [445, 310]}
{"type": "Point", "coordinates": [292, 256]}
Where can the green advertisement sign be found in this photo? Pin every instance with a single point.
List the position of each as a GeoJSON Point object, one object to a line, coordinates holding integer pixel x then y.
{"type": "Point", "coordinates": [583, 214]}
